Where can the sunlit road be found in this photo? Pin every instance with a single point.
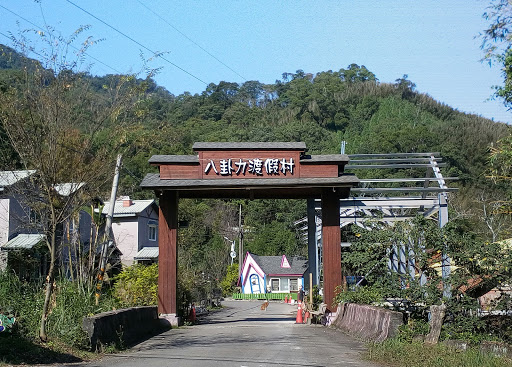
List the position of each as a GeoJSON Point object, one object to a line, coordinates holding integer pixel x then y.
{"type": "Point", "coordinates": [244, 335]}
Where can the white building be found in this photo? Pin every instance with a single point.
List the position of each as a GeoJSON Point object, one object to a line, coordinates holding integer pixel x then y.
{"type": "Point", "coordinates": [272, 274]}
{"type": "Point", "coordinates": [135, 229]}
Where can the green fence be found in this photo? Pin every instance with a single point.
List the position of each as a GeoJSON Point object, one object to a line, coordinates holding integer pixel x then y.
{"type": "Point", "coordinates": [267, 296]}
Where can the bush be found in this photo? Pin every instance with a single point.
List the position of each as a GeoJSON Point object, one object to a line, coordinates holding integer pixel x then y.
{"type": "Point", "coordinates": [73, 302]}
{"type": "Point", "coordinates": [137, 285]}
{"type": "Point", "coordinates": [393, 352]}
{"type": "Point", "coordinates": [22, 299]}
{"type": "Point", "coordinates": [362, 295]}
{"type": "Point", "coordinates": [462, 321]}
{"type": "Point", "coordinates": [414, 327]}
{"type": "Point", "coordinates": [228, 284]}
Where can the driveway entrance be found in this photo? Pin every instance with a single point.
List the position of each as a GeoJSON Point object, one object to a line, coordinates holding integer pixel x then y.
{"type": "Point", "coordinates": [244, 335]}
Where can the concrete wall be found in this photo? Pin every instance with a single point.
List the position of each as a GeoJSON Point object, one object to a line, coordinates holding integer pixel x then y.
{"type": "Point", "coordinates": [368, 322]}
{"type": "Point", "coordinates": [121, 327]}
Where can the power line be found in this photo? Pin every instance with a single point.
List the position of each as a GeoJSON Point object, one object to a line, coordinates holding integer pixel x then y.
{"type": "Point", "coordinates": [6, 36]}
{"type": "Point", "coordinates": [136, 42]}
{"type": "Point", "coordinates": [191, 40]}
{"type": "Point", "coordinates": [75, 48]}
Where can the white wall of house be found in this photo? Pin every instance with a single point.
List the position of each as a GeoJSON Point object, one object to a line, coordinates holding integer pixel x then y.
{"type": "Point", "coordinates": [126, 234]}
{"type": "Point", "coordinates": [275, 284]}
{"type": "Point", "coordinates": [4, 230]}
{"type": "Point", "coordinates": [284, 284]}
{"type": "Point", "coordinates": [132, 233]}
{"type": "Point", "coordinates": [4, 220]}
{"type": "Point", "coordinates": [249, 287]}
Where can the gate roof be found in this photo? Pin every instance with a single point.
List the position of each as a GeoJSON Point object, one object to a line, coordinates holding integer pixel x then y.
{"type": "Point", "coordinates": [250, 170]}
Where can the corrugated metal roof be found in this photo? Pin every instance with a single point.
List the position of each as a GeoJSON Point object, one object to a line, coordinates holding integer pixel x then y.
{"type": "Point", "coordinates": [251, 146]}
{"type": "Point", "coordinates": [147, 253]}
{"type": "Point", "coordinates": [8, 178]}
{"type": "Point", "coordinates": [136, 207]}
{"type": "Point", "coordinates": [24, 241]}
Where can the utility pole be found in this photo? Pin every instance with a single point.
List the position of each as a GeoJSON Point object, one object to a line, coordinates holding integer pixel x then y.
{"type": "Point", "coordinates": [240, 242]}
{"type": "Point", "coordinates": [108, 228]}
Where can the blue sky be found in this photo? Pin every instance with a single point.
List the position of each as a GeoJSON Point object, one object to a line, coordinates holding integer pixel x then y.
{"type": "Point", "coordinates": [431, 41]}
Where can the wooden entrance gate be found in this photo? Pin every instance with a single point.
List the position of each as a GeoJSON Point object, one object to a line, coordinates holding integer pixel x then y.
{"type": "Point", "coordinates": [252, 171]}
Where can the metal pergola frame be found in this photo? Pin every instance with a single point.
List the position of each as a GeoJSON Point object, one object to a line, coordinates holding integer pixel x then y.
{"type": "Point", "coordinates": [385, 200]}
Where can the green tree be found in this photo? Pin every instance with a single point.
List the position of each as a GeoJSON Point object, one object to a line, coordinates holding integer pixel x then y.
{"type": "Point", "coordinates": [497, 45]}
{"type": "Point", "coordinates": [229, 282]}
{"type": "Point", "coordinates": [52, 121]}
{"type": "Point", "coordinates": [273, 239]}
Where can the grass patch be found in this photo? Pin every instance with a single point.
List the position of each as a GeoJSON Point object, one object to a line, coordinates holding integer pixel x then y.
{"type": "Point", "coordinates": [15, 349]}
{"type": "Point", "coordinates": [403, 354]}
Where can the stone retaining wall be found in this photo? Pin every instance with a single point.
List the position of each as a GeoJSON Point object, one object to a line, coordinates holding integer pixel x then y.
{"type": "Point", "coordinates": [121, 327]}
{"type": "Point", "coordinates": [368, 322]}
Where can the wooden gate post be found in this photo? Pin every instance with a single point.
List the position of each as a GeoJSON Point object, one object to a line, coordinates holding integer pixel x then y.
{"type": "Point", "coordinates": [168, 256]}
{"type": "Point", "coordinates": [331, 243]}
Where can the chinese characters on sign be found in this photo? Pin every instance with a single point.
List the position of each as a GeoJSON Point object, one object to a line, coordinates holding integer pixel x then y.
{"type": "Point", "coordinates": [256, 166]}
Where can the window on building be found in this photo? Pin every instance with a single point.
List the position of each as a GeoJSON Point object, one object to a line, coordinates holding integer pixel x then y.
{"type": "Point", "coordinates": [152, 230]}
{"type": "Point", "coordinates": [294, 285]}
{"type": "Point", "coordinates": [274, 284]}
{"type": "Point", "coordinates": [284, 285]}
{"type": "Point", "coordinates": [34, 217]}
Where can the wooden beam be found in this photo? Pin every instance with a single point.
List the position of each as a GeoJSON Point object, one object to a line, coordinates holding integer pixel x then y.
{"type": "Point", "coordinates": [331, 243]}
{"type": "Point", "coordinates": [168, 253]}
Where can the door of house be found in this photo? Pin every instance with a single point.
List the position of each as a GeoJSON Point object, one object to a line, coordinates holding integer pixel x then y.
{"type": "Point", "coordinates": [255, 283]}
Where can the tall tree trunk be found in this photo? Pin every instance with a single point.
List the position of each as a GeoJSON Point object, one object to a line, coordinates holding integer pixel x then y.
{"type": "Point", "coordinates": [49, 287]}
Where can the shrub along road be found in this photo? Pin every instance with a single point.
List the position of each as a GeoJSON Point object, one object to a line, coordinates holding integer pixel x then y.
{"type": "Point", "coordinates": [244, 335]}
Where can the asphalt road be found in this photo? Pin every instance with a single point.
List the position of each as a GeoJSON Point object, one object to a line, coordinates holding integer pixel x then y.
{"type": "Point", "coordinates": [244, 335]}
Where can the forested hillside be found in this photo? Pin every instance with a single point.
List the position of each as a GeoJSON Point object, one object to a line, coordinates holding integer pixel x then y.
{"type": "Point", "coordinates": [322, 109]}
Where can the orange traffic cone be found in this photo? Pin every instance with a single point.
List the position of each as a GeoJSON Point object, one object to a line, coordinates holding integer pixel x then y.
{"type": "Point", "coordinates": [298, 319]}
{"type": "Point", "coordinates": [306, 317]}
{"type": "Point", "coordinates": [285, 299]}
